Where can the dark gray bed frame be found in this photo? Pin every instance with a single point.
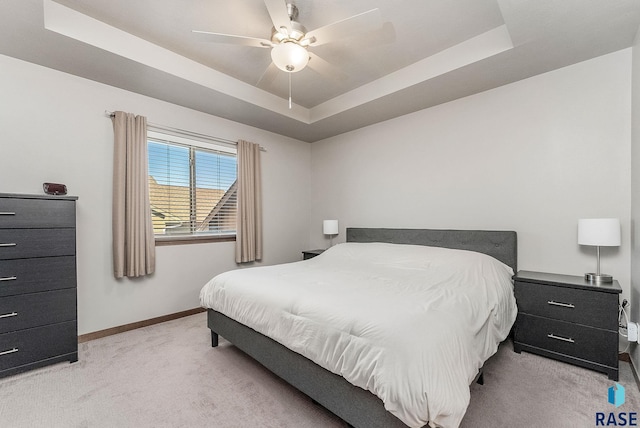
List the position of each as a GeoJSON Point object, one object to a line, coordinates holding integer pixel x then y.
{"type": "Point", "coordinates": [354, 405]}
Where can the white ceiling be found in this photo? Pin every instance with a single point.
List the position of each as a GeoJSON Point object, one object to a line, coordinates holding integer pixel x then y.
{"type": "Point", "coordinates": [426, 53]}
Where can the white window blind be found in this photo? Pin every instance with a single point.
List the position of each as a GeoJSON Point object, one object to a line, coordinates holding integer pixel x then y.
{"type": "Point", "coordinates": [192, 188]}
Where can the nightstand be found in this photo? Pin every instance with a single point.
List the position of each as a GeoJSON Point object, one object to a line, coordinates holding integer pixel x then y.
{"type": "Point", "coordinates": [569, 319]}
{"type": "Point", "coordinates": [309, 254]}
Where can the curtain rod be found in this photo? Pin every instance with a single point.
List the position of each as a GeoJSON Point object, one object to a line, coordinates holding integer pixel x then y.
{"type": "Point", "coordinates": [111, 114]}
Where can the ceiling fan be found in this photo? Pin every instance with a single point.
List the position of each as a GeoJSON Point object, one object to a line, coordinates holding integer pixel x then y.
{"type": "Point", "coordinates": [290, 40]}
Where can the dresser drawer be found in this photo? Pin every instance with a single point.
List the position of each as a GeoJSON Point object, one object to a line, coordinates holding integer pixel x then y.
{"type": "Point", "coordinates": [37, 309]}
{"type": "Point", "coordinates": [36, 213]}
{"type": "Point", "coordinates": [586, 343]}
{"type": "Point", "coordinates": [25, 243]}
{"type": "Point", "coordinates": [36, 344]}
{"type": "Point", "coordinates": [585, 307]}
{"type": "Point", "coordinates": [21, 276]}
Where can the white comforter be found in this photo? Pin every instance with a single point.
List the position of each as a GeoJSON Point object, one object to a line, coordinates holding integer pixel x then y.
{"type": "Point", "coordinates": [412, 324]}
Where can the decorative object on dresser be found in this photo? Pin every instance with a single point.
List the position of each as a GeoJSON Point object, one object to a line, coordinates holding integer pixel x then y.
{"type": "Point", "coordinates": [330, 227]}
{"type": "Point", "coordinates": [599, 232]}
{"type": "Point", "coordinates": [309, 254]}
{"type": "Point", "coordinates": [54, 188]}
{"type": "Point", "coordinates": [38, 309]}
{"type": "Point", "coordinates": [568, 318]}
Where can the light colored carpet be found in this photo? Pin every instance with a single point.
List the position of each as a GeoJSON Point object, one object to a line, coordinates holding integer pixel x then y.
{"type": "Point", "coordinates": [167, 375]}
{"type": "Point", "coordinates": [526, 390]}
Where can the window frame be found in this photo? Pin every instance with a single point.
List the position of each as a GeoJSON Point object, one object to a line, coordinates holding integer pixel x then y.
{"type": "Point", "coordinates": [193, 142]}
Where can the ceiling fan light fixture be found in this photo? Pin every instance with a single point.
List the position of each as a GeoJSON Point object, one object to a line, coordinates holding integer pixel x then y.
{"type": "Point", "coordinates": [290, 57]}
{"type": "Point", "coordinates": [297, 31]}
{"type": "Point", "coordinates": [307, 41]}
{"type": "Point", "coordinates": [294, 33]}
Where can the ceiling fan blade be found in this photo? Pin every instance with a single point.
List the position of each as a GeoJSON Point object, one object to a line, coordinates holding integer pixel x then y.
{"type": "Point", "coordinates": [233, 39]}
{"type": "Point", "coordinates": [268, 76]}
{"type": "Point", "coordinates": [324, 68]}
{"type": "Point", "coordinates": [365, 21]}
{"type": "Point", "coordinates": [279, 14]}
{"type": "Point", "coordinates": [385, 34]}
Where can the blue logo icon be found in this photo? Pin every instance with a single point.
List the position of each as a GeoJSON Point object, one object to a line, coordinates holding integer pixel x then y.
{"type": "Point", "coordinates": [616, 395]}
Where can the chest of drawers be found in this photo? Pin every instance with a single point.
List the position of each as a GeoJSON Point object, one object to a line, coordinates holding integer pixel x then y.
{"type": "Point", "coordinates": [38, 309]}
{"type": "Point", "coordinates": [569, 319]}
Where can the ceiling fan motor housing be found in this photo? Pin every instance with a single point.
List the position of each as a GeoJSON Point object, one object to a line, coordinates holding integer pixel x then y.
{"type": "Point", "coordinates": [296, 31]}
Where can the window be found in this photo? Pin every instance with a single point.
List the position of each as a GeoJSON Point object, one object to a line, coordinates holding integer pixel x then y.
{"type": "Point", "coordinates": [192, 188]}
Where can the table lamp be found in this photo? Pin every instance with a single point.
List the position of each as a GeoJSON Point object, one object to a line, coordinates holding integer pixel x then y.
{"type": "Point", "coordinates": [330, 227]}
{"type": "Point", "coordinates": [599, 232]}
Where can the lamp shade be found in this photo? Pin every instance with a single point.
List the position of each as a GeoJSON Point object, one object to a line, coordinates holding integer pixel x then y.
{"type": "Point", "coordinates": [602, 232]}
{"type": "Point", "coordinates": [330, 227]}
{"type": "Point", "coordinates": [289, 57]}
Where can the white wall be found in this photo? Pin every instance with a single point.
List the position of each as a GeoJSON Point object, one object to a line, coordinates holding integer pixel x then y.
{"type": "Point", "coordinates": [53, 128]}
{"type": "Point", "coordinates": [533, 156]}
{"type": "Point", "coordinates": [635, 196]}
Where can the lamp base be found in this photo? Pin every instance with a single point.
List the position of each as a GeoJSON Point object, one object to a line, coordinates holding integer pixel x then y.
{"type": "Point", "coordinates": [598, 278]}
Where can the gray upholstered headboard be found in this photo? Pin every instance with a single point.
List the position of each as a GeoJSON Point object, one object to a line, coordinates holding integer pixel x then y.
{"type": "Point", "coordinates": [502, 245]}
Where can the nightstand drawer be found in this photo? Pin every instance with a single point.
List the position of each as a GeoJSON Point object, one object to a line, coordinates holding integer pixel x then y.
{"type": "Point", "coordinates": [36, 344]}
{"type": "Point", "coordinates": [36, 213]}
{"type": "Point", "coordinates": [36, 309]}
{"type": "Point", "coordinates": [591, 344]}
{"type": "Point", "coordinates": [26, 243]}
{"type": "Point", "coordinates": [585, 307]}
{"type": "Point", "coordinates": [22, 276]}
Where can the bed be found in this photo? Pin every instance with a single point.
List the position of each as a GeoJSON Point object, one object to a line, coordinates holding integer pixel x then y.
{"type": "Point", "coordinates": [353, 399]}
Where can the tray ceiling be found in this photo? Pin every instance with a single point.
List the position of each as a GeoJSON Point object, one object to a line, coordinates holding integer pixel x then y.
{"type": "Point", "coordinates": [424, 54]}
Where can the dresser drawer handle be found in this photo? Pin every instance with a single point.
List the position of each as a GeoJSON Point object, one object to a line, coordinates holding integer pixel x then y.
{"type": "Point", "coordinates": [6, 213]}
{"type": "Point", "coordinates": [564, 339]}
{"type": "Point", "coordinates": [9, 315]}
{"type": "Point", "coordinates": [8, 278]}
{"type": "Point", "coordinates": [564, 305]}
{"type": "Point", "coordinates": [12, 244]}
{"type": "Point", "coordinates": [10, 351]}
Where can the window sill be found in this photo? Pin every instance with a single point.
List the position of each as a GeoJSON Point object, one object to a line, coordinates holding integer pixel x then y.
{"type": "Point", "coordinates": [162, 241]}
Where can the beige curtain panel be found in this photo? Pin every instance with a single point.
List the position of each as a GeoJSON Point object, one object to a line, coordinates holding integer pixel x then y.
{"type": "Point", "coordinates": [249, 218]}
{"type": "Point", "coordinates": [134, 252]}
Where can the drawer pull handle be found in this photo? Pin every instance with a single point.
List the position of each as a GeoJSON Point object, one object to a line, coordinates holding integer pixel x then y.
{"type": "Point", "coordinates": [10, 351]}
{"type": "Point", "coordinates": [12, 244]}
{"type": "Point", "coordinates": [8, 278]}
{"type": "Point", "coordinates": [564, 339]}
{"type": "Point", "coordinates": [6, 213]}
{"type": "Point", "coordinates": [9, 315]}
{"type": "Point", "coordinates": [564, 305]}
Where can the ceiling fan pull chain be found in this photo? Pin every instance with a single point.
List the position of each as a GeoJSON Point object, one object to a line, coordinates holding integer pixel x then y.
{"type": "Point", "coordinates": [289, 91]}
